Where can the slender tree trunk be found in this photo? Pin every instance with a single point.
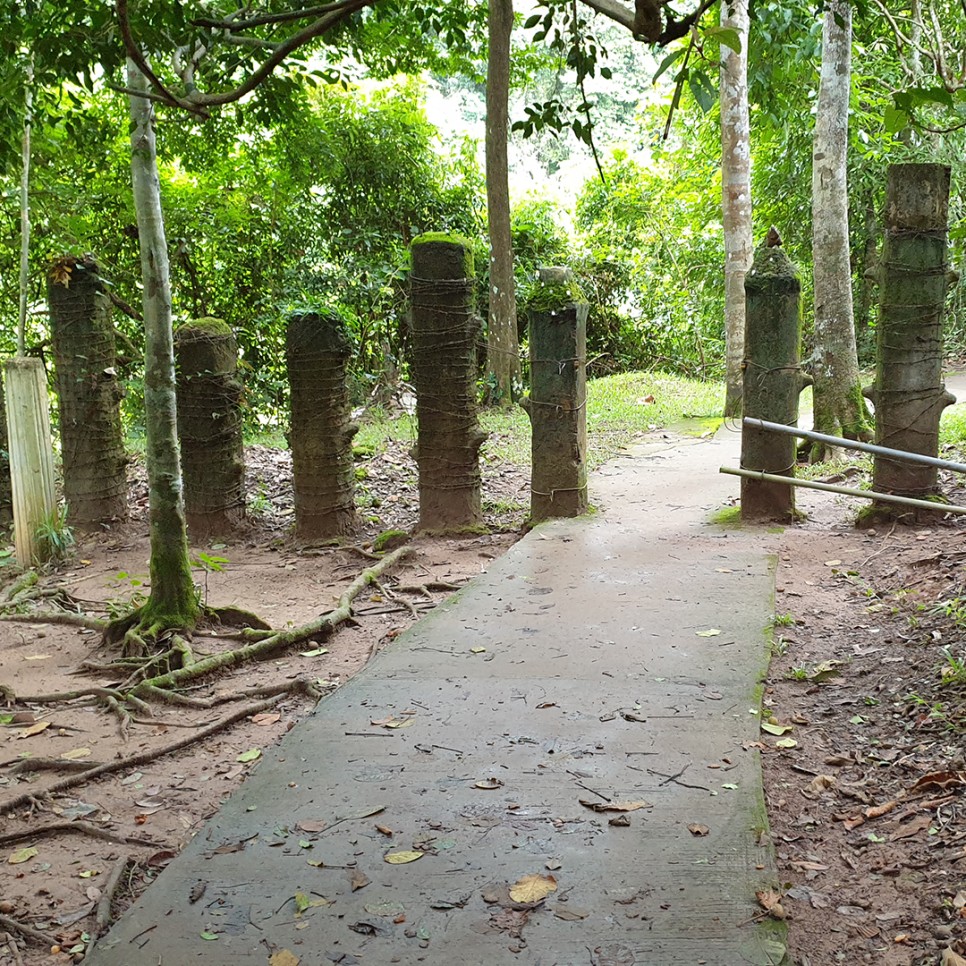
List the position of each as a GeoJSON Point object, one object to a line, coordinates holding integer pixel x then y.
{"type": "Point", "coordinates": [173, 601]}
{"type": "Point", "coordinates": [735, 194]}
{"type": "Point", "coordinates": [502, 363]}
{"type": "Point", "coordinates": [840, 409]}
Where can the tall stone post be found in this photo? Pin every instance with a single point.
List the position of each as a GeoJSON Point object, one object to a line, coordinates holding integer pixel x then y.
{"type": "Point", "coordinates": [445, 331]}
{"type": "Point", "coordinates": [210, 427]}
{"type": "Point", "coordinates": [772, 380]}
{"type": "Point", "coordinates": [909, 394]}
{"type": "Point", "coordinates": [88, 393]}
{"type": "Point", "coordinates": [317, 351]}
{"type": "Point", "coordinates": [558, 397]}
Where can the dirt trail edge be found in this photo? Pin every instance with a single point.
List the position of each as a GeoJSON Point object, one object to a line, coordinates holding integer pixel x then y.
{"type": "Point", "coordinates": [612, 660]}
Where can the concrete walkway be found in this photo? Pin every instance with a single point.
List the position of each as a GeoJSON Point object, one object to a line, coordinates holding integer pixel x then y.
{"type": "Point", "coordinates": [615, 658]}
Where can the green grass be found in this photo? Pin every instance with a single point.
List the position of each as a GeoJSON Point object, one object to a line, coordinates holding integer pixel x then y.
{"type": "Point", "coordinates": [952, 426]}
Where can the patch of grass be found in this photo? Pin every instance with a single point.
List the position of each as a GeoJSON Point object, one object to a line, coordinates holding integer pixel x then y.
{"type": "Point", "coordinates": [783, 620]}
{"type": "Point", "coordinates": [952, 426]}
{"type": "Point", "coordinates": [727, 516]}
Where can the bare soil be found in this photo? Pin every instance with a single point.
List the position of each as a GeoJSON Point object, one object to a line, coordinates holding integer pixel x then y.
{"type": "Point", "coordinates": [865, 790]}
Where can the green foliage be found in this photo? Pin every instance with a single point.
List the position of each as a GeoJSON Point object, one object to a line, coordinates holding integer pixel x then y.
{"type": "Point", "coordinates": [54, 536]}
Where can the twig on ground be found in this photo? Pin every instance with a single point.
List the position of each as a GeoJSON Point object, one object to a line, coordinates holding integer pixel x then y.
{"type": "Point", "coordinates": [103, 915]}
{"type": "Point", "coordinates": [11, 942]}
{"type": "Point", "coordinates": [142, 758]}
{"type": "Point", "coordinates": [84, 828]}
{"type": "Point", "coordinates": [12, 925]}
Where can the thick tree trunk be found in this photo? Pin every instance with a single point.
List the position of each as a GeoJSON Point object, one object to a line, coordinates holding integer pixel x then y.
{"type": "Point", "coordinates": [6, 496]}
{"type": "Point", "coordinates": [88, 394]}
{"type": "Point", "coordinates": [502, 355]}
{"type": "Point", "coordinates": [317, 350]}
{"type": "Point", "coordinates": [173, 601]}
{"type": "Point", "coordinates": [209, 427]}
{"type": "Point", "coordinates": [445, 329]}
{"type": "Point", "coordinates": [735, 194]}
{"type": "Point", "coordinates": [840, 409]}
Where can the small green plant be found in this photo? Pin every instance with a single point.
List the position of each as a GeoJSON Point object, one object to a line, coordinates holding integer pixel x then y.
{"type": "Point", "coordinates": [800, 673]}
{"type": "Point", "coordinates": [954, 670]}
{"type": "Point", "coordinates": [131, 598]}
{"type": "Point", "coordinates": [54, 536]}
{"type": "Point", "coordinates": [783, 620]}
{"type": "Point", "coordinates": [779, 646]}
{"type": "Point", "coordinates": [954, 609]}
{"type": "Point", "coordinates": [209, 564]}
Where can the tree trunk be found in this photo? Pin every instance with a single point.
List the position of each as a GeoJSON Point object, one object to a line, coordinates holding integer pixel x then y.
{"type": "Point", "coordinates": [88, 394]}
{"type": "Point", "coordinates": [735, 195]}
{"type": "Point", "coordinates": [173, 602]}
{"type": "Point", "coordinates": [840, 409]}
{"type": "Point", "coordinates": [317, 350]}
{"type": "Point", "coordinates": [209, 427]}
{"type": "Point", "coordinates": [502, 349]}
{"type": "Point", "coordinates": [6, 496]}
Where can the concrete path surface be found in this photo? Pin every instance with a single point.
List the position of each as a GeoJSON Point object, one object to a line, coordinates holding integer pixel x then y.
{"type": "Point", "coordinates": [607, 660]}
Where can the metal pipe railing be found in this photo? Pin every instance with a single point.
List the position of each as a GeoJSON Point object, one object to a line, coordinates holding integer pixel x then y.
{"type": "Point", "coordinates": [936, 507]}
{"type": "Point", "coordinates": [854, 444]}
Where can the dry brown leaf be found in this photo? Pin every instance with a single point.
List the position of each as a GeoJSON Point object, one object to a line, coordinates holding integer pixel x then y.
{"type": "Point", "coordinates": [533, 887]}
{"type": "Point", "coordinates": [910, 829]}
{"type": "Point", "coordinates": [614, 806]}
{"type": "Point", "coordinates": [876, 811]}
{"type": "Point", "coordinates": [699, 830]}
{"type": "Point", "coordinates": [283, 957]}
{"type": "Point", "coordinates": [939, 779]}
{"type": "Point", "coordinates": [620, 821]}
{"type": "Point", "coordinates": [358, 880]}
{"type": "Point", "coordinates": [950, 958]}
{"type": "Point", "coordinates": [267, 718]}
{"type": "Point", "coordinates": [821, 783]}
{"type": "Point", "coordinates": [803, 866]}
{"type": "Point", "coordinates": [488, 784]}
{"type": "Point", "coordinates": [384, 830]}
{"type": "Point", "coordinates": [34, 729]}
{"type": "Point", "coordinates": [569, 914]}
{"type": "Point", "coordinates": [76, 753]}
{"type": "Point", "coordinates": [771, 902]}
{"type": "Point", "coordinates": [312, 825]}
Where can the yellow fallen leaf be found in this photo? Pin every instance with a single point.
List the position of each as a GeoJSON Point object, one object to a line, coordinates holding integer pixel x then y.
{"type": "Point", "coordinates": [22, 855]}
{"type": "Point", "coordinates": [76, 753]}
{"type": "Point", "coordinates": [533, 887]}
{"type": "Point", "coordinates": [614, 806]}
{"type": "Point", "coordinates": [488, 784]}
{"type": "Point", "coordinates": [249, 755]}
{"type": "Point", "coordinates": [710, 632]}
{"type": "Point", "coordinates": [402, 858]}
{"type": "Point", "coordinates": [36, 657]}
{"type": "Point", "coordinates": [283, 958]}
{"type": "Point", "coordinates": [34, 729]}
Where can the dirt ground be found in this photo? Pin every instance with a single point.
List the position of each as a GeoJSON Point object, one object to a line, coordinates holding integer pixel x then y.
{"type": "Point", "coordinates": [863, 756]}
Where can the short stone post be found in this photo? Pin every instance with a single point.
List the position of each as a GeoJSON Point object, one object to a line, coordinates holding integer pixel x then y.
{"type": "Point", "coordinates": [557, 404]}
{"type": "Point", "coordinates": [772, 380]}
{"type": "Point", "coordinates": [317, 351]}
{"type": "Point", "coordinates": [209, 427]}
{"type": "Point", "coordinates": [909, 394]}
{"type": "Point", "coordinates": [445, 330]}
{"type": "Point", "coordinates": [88, 393]}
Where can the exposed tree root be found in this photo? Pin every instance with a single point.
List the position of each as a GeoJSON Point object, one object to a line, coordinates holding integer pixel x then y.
{"type": "Point", "coordinates": [135, 761]}
{"type": "Point", "coordinates": [82, 828]}
{"type": "Point", "coordinates": [57, 617]}
{"type": "Point", "coordinates": [14, 949]}
{"type": "Point", "coordinates": [103, 916]}
{"type": "Point", "coordinates": [22, 766]}
{"type": "Point", "coordinates": [12, 925]}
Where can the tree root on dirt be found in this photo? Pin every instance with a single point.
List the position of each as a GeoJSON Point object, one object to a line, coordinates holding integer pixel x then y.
{"type": "Point", "coordinates": [57, 617]}
{"type": "Point", "coordinates": [21, 766]}
{"type": "Point", "coordinates": [82, 828]}
{"type": "Point", "coordinates": [13, 926]}
{"type": "Point", "coordinates": [103, 915]}
{"type": "Point", "coordinates": [136, 761]}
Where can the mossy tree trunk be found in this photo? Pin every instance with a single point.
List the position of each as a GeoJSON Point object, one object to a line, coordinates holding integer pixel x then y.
{"type": "Point", "coordinates": [317, 351]}
{"type": "Point", "coordinates": [6, 494]}
{"type": "Point", "coordinates": [909, 394]}
{"type": "Point", "coordinates": [173, 601]}
{"type": "Point", "coordinates": [209, 427]}
{"type": "Point", "coordinates": [772, 382]}
{"type": "Point", "coordinates": [839, 409]}
{"type": "Point", "coordinates": [88, 394]}
{"type": "Point", "coordinates": [445, 329]}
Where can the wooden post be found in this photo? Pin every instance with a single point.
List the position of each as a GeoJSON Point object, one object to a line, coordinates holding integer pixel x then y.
{"type": "Point", "coordinates": [772, 380]}
{"type": "Point", "coordinates": [6, 498]}
{"type": "Point", "coordinates": [558, 397]}
{"type": "Point", "coordinates": [909, 394]}
{"type": "Point", "coordinates": [445, 331]}
{"type": "Point", "coordinates": [31, 454]}
{"type": "Point", "coordinates": [209, 427]}
{"type": "Point", "coordinates": [323, 476]}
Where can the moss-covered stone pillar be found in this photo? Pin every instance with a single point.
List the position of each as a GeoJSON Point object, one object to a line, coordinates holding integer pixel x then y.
{"type": "Point", "coordinates": [772, 381]}
{"type": "Point", "coordinates": [209, 427]}
{"type": "Point", "coordinates": [317, 351]}
{"type": "Point", "coordinates": [88, 393]}
{"type": "Point", "coordinates": [909, 394]}
{"type": "Point", "coordinates": [445, 331]}
{"type": "Point", "coordinates": [557, 316]}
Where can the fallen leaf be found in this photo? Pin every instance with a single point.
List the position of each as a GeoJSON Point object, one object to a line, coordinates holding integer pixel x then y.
{"type": "Point", "coordinates": [950, 958]}
{"type": "Point", "coordinates": [477, 650]}
{"type": "Point", "coordinates": [832, 563]}
{"type": "Point", "coordinates": [88, 873]}
{"type": "Point", "coordinates": [131, 779]}
{"type": "Point", "coordinates": [76, 753]}
{"type": "Point", "coordinates": [825, 670]}
{"type": "Point", "coordinates": [358, 880]}
{"type": "Point", "coordinates": [312, 825]}
{"type": "Point", "coordinates": [267, 718]}
{"type": "Point", "coordinates": [614, 806]}
{"type": "Point", "coordinates": [731, 786]}
{"type": "Point", "coordinates": [775, 729]}
{"type": "Point", "coordinates": [821, 783]}
{"type": "Point", "coordinates": [569, 914]}
{"type": "Point", "coordinates": [304, 902]}
{"type": "Point", "coordinates": [36, 657]}
{"type": "Point", "coordinates": [546, 704]}
{"type": "Point", "coordinates": [940, 779]}
{"type": "Point", "coordinates": [34, 729]}
{"type": "Point", "coordinates": [554, 864]}
{"type": "Point", "coordinates": [400, 723]}
{"type": "Point", "coordinates": [387, 909]}
{"type": "Point", "coordinates": [710, 632]}
{"type": "Point", "coordinates": [402, 858]}
{"type": "Point", "coordinates": [488, 784]}
{"type": "Point", "coordinates": [786, 743]}
{"type": "Point", "coordinates": [620, 821]}
{"type": "Point", "coordinates": [770, 901]}
{"type": "Point", "coordinates": [909, 829]}
{"type": "Point", "coordinates": [533, 887]}
{"type": "Point", "coordinates": [283, 957]}
{"type": "Point", "coordinates": [22, 855]}
{"type": "Point", "coordinates": [250, 755]}
{"type": "Point", "coordinates": [315, 652]}
{"type": "Point", "coordinates": [209, 936]}
{"type": "Point", "coordinates": [384, 830]}
{"type": "Point", "coordinates": [698, 830]}
{"type": "Point", "coordinates": [876, 811]}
